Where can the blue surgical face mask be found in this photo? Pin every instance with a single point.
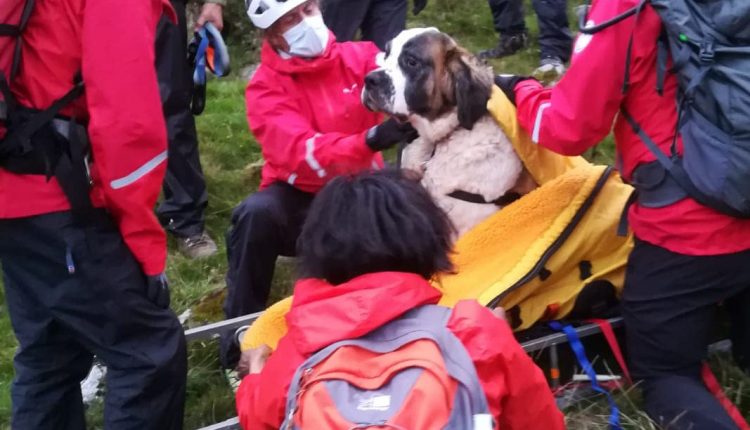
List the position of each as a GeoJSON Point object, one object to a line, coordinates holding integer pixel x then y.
{"type": "Point", "coordinates": [307, 39]}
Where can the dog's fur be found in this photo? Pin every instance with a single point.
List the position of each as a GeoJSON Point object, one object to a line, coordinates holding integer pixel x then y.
{"type": "Point", "coordinates": [427, 79]}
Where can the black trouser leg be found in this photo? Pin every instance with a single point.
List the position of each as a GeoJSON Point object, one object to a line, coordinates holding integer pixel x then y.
{"type": "Point", "coordinates": [73, 292]}
{"type": "Point", "coordinates": [384, 21]}
{"type": "Point", "coordinates": [345, 17]}
{"type": "Point", "coordinates": [264, 226]}
{"type": "Point", "coordinates": [739, 318]}
{"type": "Point", "coordinates": [185, 196]}
{"type": "Point", "coordinates": [49, 364]}
{"type": "Point", "coordinates": [507, 16]}
{"type": "Point", "coordinates": [555, 38]}
{"type": "Point", "coordinates": [669, 305]}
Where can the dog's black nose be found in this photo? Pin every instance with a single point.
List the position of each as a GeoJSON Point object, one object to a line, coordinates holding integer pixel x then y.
{"type": "Point", "coordinates": [375, 79]}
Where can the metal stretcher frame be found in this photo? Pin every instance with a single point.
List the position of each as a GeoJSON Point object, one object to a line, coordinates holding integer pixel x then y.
{"type": "Point", "coordinates": [550, 341]}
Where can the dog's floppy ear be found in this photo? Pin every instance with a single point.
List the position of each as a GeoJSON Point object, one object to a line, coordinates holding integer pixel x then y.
{"type": "Point", "coordinates": [472, 86]}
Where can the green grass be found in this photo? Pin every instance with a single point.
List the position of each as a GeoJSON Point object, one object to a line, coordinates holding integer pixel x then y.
{"type": "Point", "coordinates": [227, 149]}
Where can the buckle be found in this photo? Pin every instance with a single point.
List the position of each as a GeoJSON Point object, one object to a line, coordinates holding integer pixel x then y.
{"type": "Point", "coordinates": [707, 52]}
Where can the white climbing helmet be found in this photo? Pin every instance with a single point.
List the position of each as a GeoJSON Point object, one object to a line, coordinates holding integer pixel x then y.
{"type": "Point", "coordinates": [263, 13]}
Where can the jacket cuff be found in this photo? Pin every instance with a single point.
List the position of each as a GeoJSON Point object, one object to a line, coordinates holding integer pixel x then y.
{"type": "Point", "coordinates": [219, 2]}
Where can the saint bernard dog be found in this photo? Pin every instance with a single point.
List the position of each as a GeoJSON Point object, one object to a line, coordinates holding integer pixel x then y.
{"type": "Point", "coordinates": [462, 156]}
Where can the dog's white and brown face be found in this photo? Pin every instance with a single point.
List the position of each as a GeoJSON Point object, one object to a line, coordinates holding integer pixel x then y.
{"type": "Point", "coordinates": [425, 73]}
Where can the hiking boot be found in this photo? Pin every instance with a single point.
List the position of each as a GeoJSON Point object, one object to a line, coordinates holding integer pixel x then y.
{"type": "Point", "coordinates": [198, 246]}
{"type": "Point", "coordinates": [507, 45]}
{"type": "Point", "coordinates": [550, 70]}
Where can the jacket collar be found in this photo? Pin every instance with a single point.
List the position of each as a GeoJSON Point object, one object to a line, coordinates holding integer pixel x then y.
{"type": "Point", "coordinates": [322, 313]}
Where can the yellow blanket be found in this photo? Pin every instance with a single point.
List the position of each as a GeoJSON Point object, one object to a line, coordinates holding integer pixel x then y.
{"type": "Point", "coordinates": [537, 254]}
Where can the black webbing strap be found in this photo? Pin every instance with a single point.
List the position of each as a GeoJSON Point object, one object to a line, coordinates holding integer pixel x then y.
{"type": "Point", "coordinates": [606, 24]}
{"type": "Point", "coordinates": [25, 15]}
{"type": "Point", "coordinates": [503, 200]}
{"type": "Point", "coordinates": [7, 103]}
{"type": "Point", "coordinates": [623, 226]}
{"type": "Point", "coordinates": [71, 173]}
{"type": "Point", "coordinates": [629, 52]}
{"type": "Point", "coordinates": [662, 53]}
{"type": "Point", "coordinates": [22, 134]}
{"type": "Point", "coordinates": [9, 30]}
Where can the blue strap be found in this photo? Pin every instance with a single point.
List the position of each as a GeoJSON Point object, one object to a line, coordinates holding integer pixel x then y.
{"type": "Point", "coordinates": [580, 352]}
{"type": "Point", "coordinates": [220, 65]}
{"type": "Point", "coordinates": [199, 75]}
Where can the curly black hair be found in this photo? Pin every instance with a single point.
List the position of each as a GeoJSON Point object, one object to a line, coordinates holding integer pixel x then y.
{"type": "Point", "coordinates": [374, 222]}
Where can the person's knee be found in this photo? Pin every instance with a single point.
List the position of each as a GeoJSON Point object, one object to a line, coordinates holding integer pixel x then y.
{"type": "Point", "coordinates": [255, 219]}
{"type": "Point", "coordinates": [258, 209]}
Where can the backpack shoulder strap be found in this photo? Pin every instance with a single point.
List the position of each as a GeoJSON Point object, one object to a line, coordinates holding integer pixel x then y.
{"type": "Point", "coordinates": [662, 54]}
{"type": "Point", "coordinates": [25, 15]}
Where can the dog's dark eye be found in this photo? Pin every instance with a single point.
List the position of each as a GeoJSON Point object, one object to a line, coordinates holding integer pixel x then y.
{"type": "Point", "coordinates": [411, 62]}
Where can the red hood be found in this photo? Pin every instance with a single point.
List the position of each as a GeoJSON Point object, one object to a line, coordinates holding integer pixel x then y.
{"type": "Point", "coordinates": [296, 65]}
{"type": "Point", "coordinates": [322, 313]}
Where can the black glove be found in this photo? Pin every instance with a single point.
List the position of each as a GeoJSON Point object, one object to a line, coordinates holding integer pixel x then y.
{"type": "Point", "coordinates": [157, 290]}
{"type": "Point", "coordinates": [508, 83]}
{"type": "Point", "coordinates": [390, 133]}
{"type": "Point", "coordinates": [419, 5]}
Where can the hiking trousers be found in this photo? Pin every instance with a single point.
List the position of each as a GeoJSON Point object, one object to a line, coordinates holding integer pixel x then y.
{"type": "Point", "coordinates": [264, 226]}
{"type": "Point", "coordinates": [555, 38]}
{"type": "Point", "coordinates": [669, 306]}
{"type": "Point", "coordinates": [74, 292]}
{"type": "Point", "coordinates": [379, 20]}
{"type": "Point", "coordinates": [183, 210]}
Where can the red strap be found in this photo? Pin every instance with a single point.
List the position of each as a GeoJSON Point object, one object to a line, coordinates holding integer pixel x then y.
{"type": "Point", "coordinates": [609, 335]}
{"type": "Point", "coordinates": [713, 386]}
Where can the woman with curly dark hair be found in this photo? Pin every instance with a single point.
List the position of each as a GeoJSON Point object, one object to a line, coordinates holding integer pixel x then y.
{"type": "Point", "coordinates": [367, 251]}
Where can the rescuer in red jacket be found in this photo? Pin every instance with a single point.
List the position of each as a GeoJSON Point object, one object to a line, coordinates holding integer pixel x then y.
{"type": "Point", "coordinates": [87, 279]}
{"type": "Point", "coordinates": [687, 257]}
{"type": "Point", "coordinates": [303, 106]}
{"type": "Point", "coordinates": [367, 250]}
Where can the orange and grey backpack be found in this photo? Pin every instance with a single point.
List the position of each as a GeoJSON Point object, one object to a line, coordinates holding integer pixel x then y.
{"type": "Point", "coordinates": [412, 373]}
{"type": "Point", "coordinates": [40, 142]}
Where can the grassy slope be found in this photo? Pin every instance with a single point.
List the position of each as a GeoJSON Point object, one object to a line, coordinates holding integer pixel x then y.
{"type": "Point", "coordinates": [227, 149]}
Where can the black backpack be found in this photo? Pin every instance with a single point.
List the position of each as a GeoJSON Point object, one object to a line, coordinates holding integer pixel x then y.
{"type": "Point", "coordinates": [39, 141]}
{"type": "Point", "coordinates": [709, 43]}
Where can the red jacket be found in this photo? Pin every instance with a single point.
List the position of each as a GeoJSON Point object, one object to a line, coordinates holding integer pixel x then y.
{"type": "Point", "coordinates": [308, 117]}
{"type": "Point", "coordinates": [579, 111]}
{"type": "Point", "coordinates": [321, 314]}
{"type": "Point", "coordinates": [114, 49]}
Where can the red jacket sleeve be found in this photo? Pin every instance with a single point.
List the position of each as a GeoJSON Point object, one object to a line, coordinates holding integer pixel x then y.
{"type": "Point", "coordinates": [126, 124]}
{"type": "Point", "coordinates": [518, 394]}
{"type": "Point", "coordinates": [290, 142]}
{"type": "Point", "coordinates": [578, 112]}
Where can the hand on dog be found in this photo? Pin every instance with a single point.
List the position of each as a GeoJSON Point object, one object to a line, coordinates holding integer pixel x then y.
{"type": "Point", "coordinates": [390, 133]}
{"type": "Point", "coordinates": [508, 83]}
{"type": "Point", "coordinates": [419, 5]}
{"type": "Point", "coordinates": [253, 360]}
